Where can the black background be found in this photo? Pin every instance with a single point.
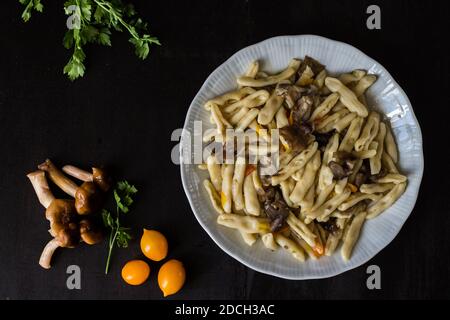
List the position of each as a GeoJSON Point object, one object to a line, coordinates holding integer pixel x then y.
{"type": "Point", "coordinates": [122, 114]}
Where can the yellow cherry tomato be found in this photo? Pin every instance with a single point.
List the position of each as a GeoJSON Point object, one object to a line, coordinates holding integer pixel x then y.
{"type": "Point", "coordinates": [135, 272]}
{"type": "Point", "coordinates": [171, 277]}
{"type": "Point", "coordinates": [154, 245]}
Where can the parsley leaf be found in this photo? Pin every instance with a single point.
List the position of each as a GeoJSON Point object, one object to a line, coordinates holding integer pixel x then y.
{"type": "Point", "coordinates": [123, 237]}
{"type": "Point", "coordinates": [103, 37]}
{"type": "Point", "coordinates": [29, 6]}
{"type": "Point", "coordinates": [108, 220]}
{"type": "Point", "coordinates": [75, 67]}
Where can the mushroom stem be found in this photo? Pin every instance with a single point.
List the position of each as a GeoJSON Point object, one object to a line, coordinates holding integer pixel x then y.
{"type": "Point", "coordinates": [67, 185]}
{"type": "Point", "coordinates": [47, 253]}
{"type": "Point", "coordinates": [78, 173]}
{"type": "Point", "coordinates": [40, 185]}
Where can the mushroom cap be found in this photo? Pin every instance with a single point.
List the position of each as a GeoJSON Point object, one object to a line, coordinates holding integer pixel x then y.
{"type": "Point", "coordinates": [90, 231]}
{"type": "Point", "coordinates": [87, 198]}
{"type": "Point", "coordinates": [60, 210]}
{"type": "Point", "coordinates": [102, 179]}
{"type": "Point", "coordinates": [69, 237]}
{"type": "Point", "coordinates": [63, 222]}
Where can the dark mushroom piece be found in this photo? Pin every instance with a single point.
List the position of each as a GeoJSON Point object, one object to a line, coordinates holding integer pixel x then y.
{"type": "Point", "coordinates": [282, 88]}
{"type": "Point", "coordinates": [275, 208]}
{"type": "Point", "coordinates": [330, 226]}
{"type": "Point", "coordinates": [374, 177]}
{"type": "Point", "coordinates": [301, 112]}
{"type": "Point", "coordinates": [292, 94]}
{"type": "Point", "coordinates": [268, 195]}
{"type": "Point", "coordinates": [296, 137]}
{"type": "Point", "coordinates": [316, 66]}
{"type": "Point", "coordinates": [88, 198]}
{"type": "Point", "coordinates": [98, 176]}
{"type": "Point", "coordinates": [90, 231]}
{"type": "Point", "coordinates": [360, 179]}
{"type": "Point", "coordinates": [338, 171]}
{"type": "Point", "coordinates": [323, 139]}
{"type": "Point", "coordinates": [363, 175]}
{"type": "Point", "coordinates": [266, 180]}
{"type": "Point", "coordinates": [342, 165]}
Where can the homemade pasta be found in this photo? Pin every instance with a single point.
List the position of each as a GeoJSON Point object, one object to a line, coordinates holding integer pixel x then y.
{"type": "Point", "coordinates": [336, 161]}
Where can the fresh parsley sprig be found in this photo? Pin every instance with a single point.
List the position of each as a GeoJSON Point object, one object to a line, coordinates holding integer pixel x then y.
{"type": "Point", "coordinates": [119, 235]}
{"type": "Point", "coordinates": [29, 6]}
{"type": "Point", "coordinates": [93, 21]}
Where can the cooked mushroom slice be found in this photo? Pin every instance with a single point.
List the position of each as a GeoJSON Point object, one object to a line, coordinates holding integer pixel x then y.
{"type": "Point", "coordinates": [316, 66]}
{"type": "Point", "coordinates": [301, 112]}
{"type": "Point", "coordinates": [374, 178]}
{"type": "Point", "coordinates": [330, 226]}
{"type": "Point", "coordinates": [265, 180]}
{"type": "Point", "coordinates": [338, 171]}
{"type": "Point", "coordinates": [342, 164]}
{"type": "Point", "coordinates": [292, 95]}
{"type": "Point", "coordinates": [90, 232]}
{"type": "Point", "coordinates": [323, 138]}
{"type": "Point", "coordinates": [276, 209]}
{"type": "Point", "coordinates": [344, 157]}
{"type": "Point", "coordinates": [41, 187]}
{"type": "Point", "coordinates": [88, 199]}
{"type": "Point", "coordinates": [98, 176]}
{"type": "Point", "coordinates": [295, 138]}
{"type": "Point", "coordinates": [282, 88]}
{"type": "Point", "coordinates": [361, 178]}
{"type": "Point", "coordinates": [268, 195]}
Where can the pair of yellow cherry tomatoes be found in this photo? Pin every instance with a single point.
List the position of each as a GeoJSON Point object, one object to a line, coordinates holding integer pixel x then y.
{"type": "Point", "coordinates": [171, 275]}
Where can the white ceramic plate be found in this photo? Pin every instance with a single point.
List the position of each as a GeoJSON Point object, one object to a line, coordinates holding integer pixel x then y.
{"type": "Point", "coordinates": [385, 95]}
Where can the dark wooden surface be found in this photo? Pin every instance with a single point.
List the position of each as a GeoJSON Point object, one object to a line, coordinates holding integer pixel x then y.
{"type": "Point", "coordinates": [123, 112]}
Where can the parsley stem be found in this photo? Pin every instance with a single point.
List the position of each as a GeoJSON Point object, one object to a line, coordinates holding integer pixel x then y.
{"type": "Point", "coordinates": [108, 7]}
{"type": "Point", "coordinates": [112, 240]}
{"type": "Point", "coordinates": [29, 6]}
{"type": "Point", "coordinates": [111, 246]}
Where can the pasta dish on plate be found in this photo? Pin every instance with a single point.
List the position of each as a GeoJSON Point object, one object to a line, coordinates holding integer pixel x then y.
{"type": "Point", "coordinates": [335, 165]}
